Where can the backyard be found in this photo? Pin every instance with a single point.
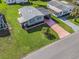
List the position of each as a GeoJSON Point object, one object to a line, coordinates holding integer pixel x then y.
{"type": "Point", "coordinates": [20, 42]}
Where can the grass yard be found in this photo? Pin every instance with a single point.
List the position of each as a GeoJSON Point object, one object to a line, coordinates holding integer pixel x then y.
{"type": "Point", "coordinates": [20, 42]}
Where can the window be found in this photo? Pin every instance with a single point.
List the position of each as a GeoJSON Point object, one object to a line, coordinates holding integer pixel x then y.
{"type": "Point", "coordinates": [38, 18]}
{"type": "Point", "coordinates": [2, 24]}
{"type": "Point", "coordinates": [32, 20]}
{"type": "Point", "coordinates": [65, 12]}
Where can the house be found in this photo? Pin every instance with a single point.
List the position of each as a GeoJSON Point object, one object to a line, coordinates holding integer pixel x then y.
{"type": "Point", "coordinates": [3, 24]}
{"type": "Point", "coordinates": [15, 1]}
{"type": "Point", "coordinates": [4, 30]}
{"type": "Point", "coordinates": [31, 17]}
{"type": "Point", "coordinates": [59, 8]}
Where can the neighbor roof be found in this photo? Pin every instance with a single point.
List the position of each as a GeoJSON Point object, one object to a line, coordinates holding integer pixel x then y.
{"type": "Point", "coordinates": [62, 5]}
{"type": "Point", "coordinates": [15, 1]}
{"type": "Point", "coordinates": [29, 12]}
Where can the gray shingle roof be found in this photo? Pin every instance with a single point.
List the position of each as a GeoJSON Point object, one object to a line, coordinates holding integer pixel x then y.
{"type": "Point", "coordinates": [60, 5]}
{"type": "Point", "coordinates": [29, 12]}
{"type": "Point", "coordinates": [43, 11]}
{"type": "Point", "coordinates": [15, 1]}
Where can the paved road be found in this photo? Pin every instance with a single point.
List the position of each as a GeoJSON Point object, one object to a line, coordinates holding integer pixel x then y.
{"type": "Point", "coordinates": [67, 48]}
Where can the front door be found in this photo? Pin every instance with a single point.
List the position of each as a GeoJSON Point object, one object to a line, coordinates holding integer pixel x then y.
{"type": "Point", "coordinates": [46, 17]}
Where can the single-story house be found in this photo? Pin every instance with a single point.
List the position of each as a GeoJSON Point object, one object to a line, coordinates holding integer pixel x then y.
{"type": "Point", "coordinates": [59, 8]}
{"type": "Point", "coordinates": [3, 24]}
{"type": "Point", "coordinates": [4, 30]}
{"type": "Point", "coordinates": [15, 1]}
{"type": "Point", "coordinates": [31, 17]}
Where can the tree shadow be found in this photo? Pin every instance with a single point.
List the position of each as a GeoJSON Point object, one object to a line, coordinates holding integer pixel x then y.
{"type": "Point", "coordinates": [4, 33]}
{"type": "Point", "coordinates": [50, 36]}
{"type": "Point", "coordinates": [0, 1]}
{"type": "Point", "coordinates": [47, 33]}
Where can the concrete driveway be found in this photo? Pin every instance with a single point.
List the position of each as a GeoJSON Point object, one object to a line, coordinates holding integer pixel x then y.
{"type": "Point", "coordinates": [61, 32]}
{"type": "Point", "coordinates": [58, 29]}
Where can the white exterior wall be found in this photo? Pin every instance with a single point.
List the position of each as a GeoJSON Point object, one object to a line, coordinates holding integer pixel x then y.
{"type": "Point", "coordinates": [54, 8]}
{"type": "Point", "coordinates": [35, 20]}
{"type": "Point", "coordinates": [58, 13]}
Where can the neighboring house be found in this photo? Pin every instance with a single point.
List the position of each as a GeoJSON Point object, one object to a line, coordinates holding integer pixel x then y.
{"type": "Point", "coordinates": [59, 8]}
{"type": "Point", "coordinates": [15, 1]}
{"type": "Point", "coordinates": [31, 17]}
{"type": "Point", "coordinates": [3, 25]}
{"type": "Point", "coordinates": [4, 29]}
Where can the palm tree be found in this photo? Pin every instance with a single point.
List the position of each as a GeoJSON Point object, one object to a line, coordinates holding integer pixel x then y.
{"type": "Point", "coordinates": [75, 11]}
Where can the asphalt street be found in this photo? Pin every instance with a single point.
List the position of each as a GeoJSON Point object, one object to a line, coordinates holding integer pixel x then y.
{"type": "Point", "coordinates": [67, 48]}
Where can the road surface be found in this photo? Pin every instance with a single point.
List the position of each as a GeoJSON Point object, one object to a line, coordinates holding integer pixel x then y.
{"type": "Point", "coordinates": [67, 48]}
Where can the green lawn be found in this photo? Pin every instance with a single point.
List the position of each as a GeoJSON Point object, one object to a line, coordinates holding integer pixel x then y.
{"type": "Point", "coordinates": [20, 42]}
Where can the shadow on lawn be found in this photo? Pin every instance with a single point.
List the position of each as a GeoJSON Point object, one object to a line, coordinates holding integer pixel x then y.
{"type": "Point", "coordinates": [50, 36]}
{"type": "Point", "coordinates": [38, 28]}
{"type": "Point", "coordinates": [46, 31]}
{"type": "Point", "coordinates": [4, 33]}
{"type": "Point", "coordinates": [0, 1]}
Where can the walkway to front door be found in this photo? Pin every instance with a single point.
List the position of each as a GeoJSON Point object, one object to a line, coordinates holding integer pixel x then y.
{"type": "Point", "coordinates": [58, 29]}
